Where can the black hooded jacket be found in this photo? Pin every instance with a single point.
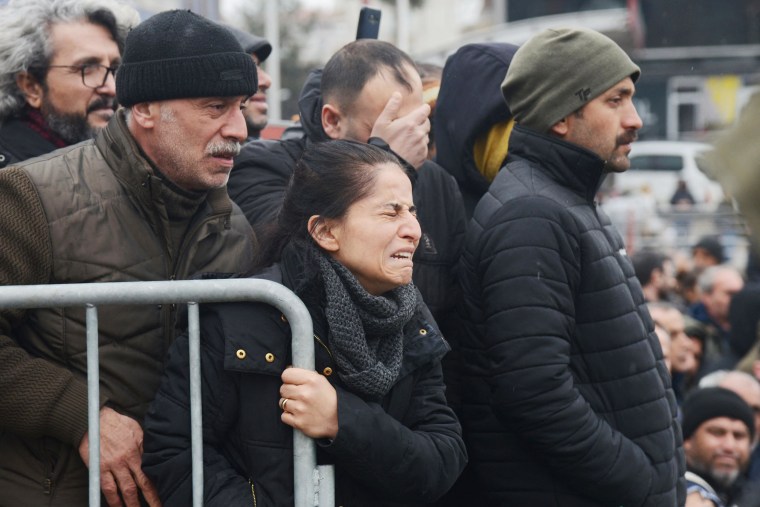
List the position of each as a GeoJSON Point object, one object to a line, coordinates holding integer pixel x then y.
{"type": "Point", "coordinates": [260, 177]}
{"type": "Point", "coordinates": [468, 105]}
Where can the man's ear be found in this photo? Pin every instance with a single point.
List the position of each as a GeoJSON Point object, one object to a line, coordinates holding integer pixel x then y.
{"type": "Point", "coordinates": [31, 88]}
{"type": "Point", "coordinates": [332, 121]}
{"type": "Point", "coordinates": [145, 114]}
{"type": "Point", "coordinates": [321, 231]}
{"type": "Point", "coordinates": [560, 128]}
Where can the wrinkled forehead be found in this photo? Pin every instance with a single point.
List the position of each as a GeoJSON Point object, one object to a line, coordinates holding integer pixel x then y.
{"type": "Point", "coordinates": [390, 187]}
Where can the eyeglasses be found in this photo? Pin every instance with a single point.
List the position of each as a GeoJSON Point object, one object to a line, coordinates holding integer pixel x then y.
{"type": "Point", "coordinates": [94, 75]}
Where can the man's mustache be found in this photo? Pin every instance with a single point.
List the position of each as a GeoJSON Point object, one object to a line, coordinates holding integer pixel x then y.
{"type": "Point", "coordinates": [101, 103]}
{"type": "Point", "coordinates": [627, 138]}
{"type": "Point", "coordinates": [223, 149]}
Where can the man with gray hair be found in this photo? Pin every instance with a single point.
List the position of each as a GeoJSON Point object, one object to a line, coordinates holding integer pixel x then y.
{"type": "Point", "coordinates": [717, 287]}
{"type": "Point", "coordinates": [569, 401]}
{"type": "Point", "coordinates": [145, 200]}
{"type": "Point", "coordinates": [57, 64]}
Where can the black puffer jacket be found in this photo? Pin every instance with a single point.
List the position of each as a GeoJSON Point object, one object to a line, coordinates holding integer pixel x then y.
{"type": "Point", "coordinates": [260, 177]}
{"type": "Point", "coordinates": [569, 400]}
{"type": "Point", "coordinates": [19, 142]}
{"type": "Point", "coordinates": [469, 104]}
{"type": "Point", "coordinates": [405, 450]}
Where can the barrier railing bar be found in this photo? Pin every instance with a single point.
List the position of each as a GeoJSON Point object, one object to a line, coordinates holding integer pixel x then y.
{"type": "Point", "coordinates": [196, 420]}
{"type": "Point", "coordinates": [326, 483]}
{"type": "Point", "coordinates": [93, 403]}
{"type": "Point", "coordinates": [306, 482]}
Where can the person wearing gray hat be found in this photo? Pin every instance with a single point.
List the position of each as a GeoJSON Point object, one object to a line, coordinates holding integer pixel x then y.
{"type": "Point", "coordinates": [256, 112]}
{"type": "Point", "coordinates": [569, 401]}
{"type": "Point", "coordinates": [145, 200]}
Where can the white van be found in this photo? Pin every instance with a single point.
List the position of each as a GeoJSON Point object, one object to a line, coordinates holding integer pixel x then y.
{"type": "Point", "coordinates": [657, 166]}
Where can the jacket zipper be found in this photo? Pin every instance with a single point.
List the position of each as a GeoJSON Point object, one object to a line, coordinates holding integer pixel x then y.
{"type": "Point", "coordinates": [253, 492]}
{"type": "Point", "coordinates": [48, 483]}
{"type": "Point", "coordinates": [169, 262]}
{"type": "Point", "coordinates": [325, 346]}
{"type": "Point", "coordinates": [176, 266]}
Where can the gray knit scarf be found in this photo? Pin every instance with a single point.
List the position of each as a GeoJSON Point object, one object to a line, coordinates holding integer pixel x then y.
{"type": "Point", "coordinates": [366, 331]}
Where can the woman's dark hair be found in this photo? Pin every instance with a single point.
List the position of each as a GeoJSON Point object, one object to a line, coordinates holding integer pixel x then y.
{"type": "Point", "coordinates": [328, 178]}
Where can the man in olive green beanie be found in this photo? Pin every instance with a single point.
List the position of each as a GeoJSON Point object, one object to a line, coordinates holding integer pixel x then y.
{"type": "Point", "coordinates": [558, 71]}
{"type": "Point", "coordinates": [570, 401]}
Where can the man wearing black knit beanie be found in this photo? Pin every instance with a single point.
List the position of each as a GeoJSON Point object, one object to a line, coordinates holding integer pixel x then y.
{"type": "Point", "coordinates": [145, 200]}
{"type": "Point", "coordinates": [718, 428]}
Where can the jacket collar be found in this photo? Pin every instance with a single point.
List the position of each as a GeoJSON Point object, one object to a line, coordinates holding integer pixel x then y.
{"type": "Point", "coordinates": [19, 142]}
{"type": "Point", "coordinates": [121, 152]}
{"type": "Point", "coordinates": [572, 166]}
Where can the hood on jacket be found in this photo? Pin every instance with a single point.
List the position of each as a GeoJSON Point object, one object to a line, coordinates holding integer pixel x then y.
{"type": "Point", "coordinates": [310, 107]}
{"type": "Point", "coordinates": [470, 103]}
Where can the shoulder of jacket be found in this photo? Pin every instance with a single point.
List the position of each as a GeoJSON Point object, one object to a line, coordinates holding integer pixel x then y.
{"type": "Point", "coordinates": [271, 149]}
{"type": "Point", "coordinates": [65, 156]}
{"type": "Point", "coordinates": [514, 200]}
{"type": "Point", "coordinates": [434, 182]}
{"type": "Point", "coordinates": [254, 336]}
{"type": "Point", "coordinates": [434, 171]}
{"type": "Point", "coordinates": [231, 311]}
{"type": "Point", "coordinates": [423, 344]}
{"type": "Point", "coordinates": [262, 159]}
{"type": "Point", "coordinates": [697, 483]}
{"type": "Point", "coordinates": [18, 191]}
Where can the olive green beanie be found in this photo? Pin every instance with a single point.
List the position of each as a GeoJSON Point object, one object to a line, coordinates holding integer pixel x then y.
{"type": "Point", "coordinates": [557, 71]}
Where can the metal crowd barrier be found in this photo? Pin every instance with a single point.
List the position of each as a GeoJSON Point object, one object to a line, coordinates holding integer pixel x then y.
{"type": "Point", "coordinates": [313, 485]}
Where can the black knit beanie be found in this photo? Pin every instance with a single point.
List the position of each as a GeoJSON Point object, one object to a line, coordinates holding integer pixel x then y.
{"type": "Point", "coordinates": [558, 71]}
{"type": "Point", "coordinates": [178, 54]}
{"type": "Point", "coordinates": [711, 402]}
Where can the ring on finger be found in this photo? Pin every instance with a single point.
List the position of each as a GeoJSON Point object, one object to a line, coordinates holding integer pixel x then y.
{"type": "Point", "coordinates": [283, 402]}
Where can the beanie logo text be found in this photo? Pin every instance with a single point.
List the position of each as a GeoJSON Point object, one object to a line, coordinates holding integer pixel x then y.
{"type": "Point", "coordinates": [231, 75]}
{"type": "Point", "coordinates": [583, 94]}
